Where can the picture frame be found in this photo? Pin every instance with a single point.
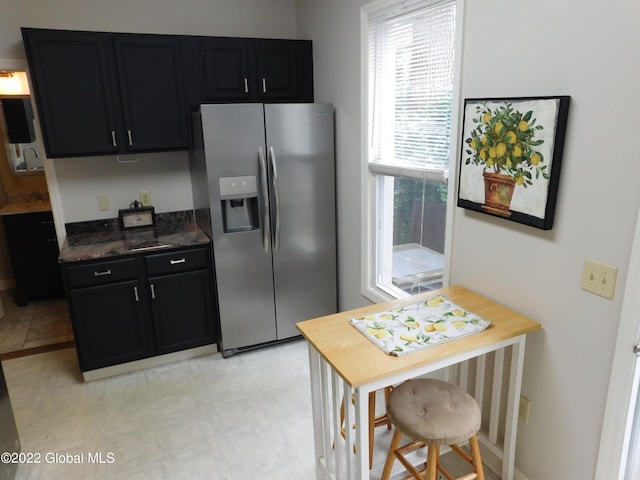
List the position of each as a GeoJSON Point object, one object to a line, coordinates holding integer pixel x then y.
{"type": "Point", "coordinates": [510, 157]}
{"type": "Point", "coordinates": [137, 218]}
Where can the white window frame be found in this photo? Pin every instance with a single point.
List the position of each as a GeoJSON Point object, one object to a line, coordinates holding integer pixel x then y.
{"type": "Point", "coordinates": [370, 288]}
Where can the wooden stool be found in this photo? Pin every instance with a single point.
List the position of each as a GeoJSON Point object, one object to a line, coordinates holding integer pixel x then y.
{"type": "Point", "coordinates": [433, 413]}
{"type": "Point", "coordinates": [374, 421]}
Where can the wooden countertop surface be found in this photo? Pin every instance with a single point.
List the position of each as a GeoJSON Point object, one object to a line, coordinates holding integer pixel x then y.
{"type": "Point", "coordinates": [358, 361]}
{"type": "Point", "coordinates": [15, 208]}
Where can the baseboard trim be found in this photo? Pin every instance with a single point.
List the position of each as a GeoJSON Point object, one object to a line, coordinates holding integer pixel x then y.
{"type": "Point", "coordinates": [112, 371]}
{"type": "Point", "coordinates": [494, 463]}
{"type": "Point", "coordinates": [36, 350]}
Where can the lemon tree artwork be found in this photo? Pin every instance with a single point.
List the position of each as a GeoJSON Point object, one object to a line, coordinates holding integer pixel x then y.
{"type": "Point", "coordinates": [510, 157]}
{"type": "Point", "coordinates": [414, 327]}
{"type": "Point", "coordinates": [506, 141]}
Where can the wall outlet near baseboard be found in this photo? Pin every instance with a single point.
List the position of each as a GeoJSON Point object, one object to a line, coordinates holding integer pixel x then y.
{"type": "Point", "coordinates": [524, 409]}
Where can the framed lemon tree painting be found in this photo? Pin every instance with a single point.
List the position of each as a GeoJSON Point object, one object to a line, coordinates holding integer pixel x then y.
{"type": "Point", "coordinates": [510, 157]}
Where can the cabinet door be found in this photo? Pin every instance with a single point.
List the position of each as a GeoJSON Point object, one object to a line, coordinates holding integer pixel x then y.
{"type": "Point", "coordinates": [33, 249]}
{"type": "Point", "coordinates": [277, 69]}
{"type": "Point", "coordinates": [153, 102]}
{"type": "Point", "coordinates": [110, 324]}
{"type": "Point", "coordinates": [182, 310]}
{"type": "Point", "coordinates": [228, 68]}
{"type": "Point", "coordinates": [73, 83]}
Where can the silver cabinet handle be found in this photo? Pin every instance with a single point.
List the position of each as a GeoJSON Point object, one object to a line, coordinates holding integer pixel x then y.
{"type": "Point", "coordinates": [153, 291]}
{"type": "Point", "coordinates": [102, 274]}
{"type": "Point", "coordinates": [135, 292]}
{"type": "Point", "coordinates": [175, 262]}
{"type": "Point", "coordinates": [113, 139]}
{"type": "Point", "coordinates": [246, 86]}
{"type": "Point", "coordinates": [130, 139]}
{"type": "Point", "coordinates": [264, 86]}
{"type": "Point", "coordinates": [266, 229]}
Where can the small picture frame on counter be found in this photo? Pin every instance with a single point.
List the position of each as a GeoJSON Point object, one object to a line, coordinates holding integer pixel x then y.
{"type": "Point", "coordinates": [137, 218]}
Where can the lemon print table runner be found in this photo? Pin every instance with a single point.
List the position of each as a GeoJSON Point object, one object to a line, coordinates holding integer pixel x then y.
{"type": "Point", "coordinates": [403, 330]}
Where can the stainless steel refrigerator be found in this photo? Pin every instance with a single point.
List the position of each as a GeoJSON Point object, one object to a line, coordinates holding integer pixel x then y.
{"type": "Point", "coordinates": [264, 191]}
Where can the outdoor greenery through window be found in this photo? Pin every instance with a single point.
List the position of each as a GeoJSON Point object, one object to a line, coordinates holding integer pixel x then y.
{"type": "Point", "coordinates": [410, 95]}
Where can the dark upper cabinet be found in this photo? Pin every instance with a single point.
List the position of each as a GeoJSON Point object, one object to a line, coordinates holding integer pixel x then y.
{"type": "Point", "coordinates": [257, 70]}
{"type": "Point", "coordinates": [100, 93]}
{"type": "Point", "coordinates": [112, 93]}
{"type": "Point", "coordinates": [228, 68]}
{"type": "Point", "coordinates": [152, 93]}
{"type": "Point", "coordinates": [277, 69]}
{"type": "Point", "coordinates": [75, 91]}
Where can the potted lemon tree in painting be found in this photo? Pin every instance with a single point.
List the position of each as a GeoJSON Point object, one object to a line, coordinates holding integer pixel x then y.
{"type": "Point", "coordinates": [514, 144]}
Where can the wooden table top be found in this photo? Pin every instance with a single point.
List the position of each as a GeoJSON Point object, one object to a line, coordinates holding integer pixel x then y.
{"type": "Point", "coordinates": [352, 355]}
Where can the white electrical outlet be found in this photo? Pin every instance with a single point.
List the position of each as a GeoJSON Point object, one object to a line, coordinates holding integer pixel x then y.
{"type": "Point", "coordinates": [599, 278]}
{"type": "Point", "coordinates": [145, 198]}
{"type": "Point", "coordinates": [524, 409]}
{"type": "Point", "coordinates": [103, 203]}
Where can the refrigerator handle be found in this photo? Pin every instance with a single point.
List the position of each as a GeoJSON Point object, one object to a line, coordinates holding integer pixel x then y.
{"type": "Point", "coordinates": [276, 199]}
{"type": "Point", "coordinates": [266, 230]}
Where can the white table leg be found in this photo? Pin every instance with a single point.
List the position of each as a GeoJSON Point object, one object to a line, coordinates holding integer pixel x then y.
{"type": "Point", "coordinates": [362, 434]}
{"type": "Point", "coordinates": [316, 408]}
{"type": "Point", "coordinates": [513, 402]}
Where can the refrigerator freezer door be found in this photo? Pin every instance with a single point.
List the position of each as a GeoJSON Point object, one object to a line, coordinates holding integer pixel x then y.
{"type": "Point", "coordinates": [233, 136]}
{"type": "Point", "coordinates": [301, 147]}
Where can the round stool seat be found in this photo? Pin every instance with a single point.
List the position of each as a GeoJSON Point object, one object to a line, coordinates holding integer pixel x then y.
{"type": "Point", "coordinates": [433, 411]}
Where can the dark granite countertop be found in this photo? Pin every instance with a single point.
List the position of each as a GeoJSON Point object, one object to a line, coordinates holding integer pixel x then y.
{"type": "Point", "coordinates": [104, 239]}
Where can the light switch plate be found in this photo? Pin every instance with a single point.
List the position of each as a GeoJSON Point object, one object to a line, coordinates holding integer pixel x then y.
{"type": "Point", "coordinates": [599, 278]}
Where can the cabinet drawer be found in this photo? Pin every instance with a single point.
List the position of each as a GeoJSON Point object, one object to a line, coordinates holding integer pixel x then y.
{"type": "Point", "coordinates": [101, 272]}
{"type": "Point", "coordinates": [176, 261]}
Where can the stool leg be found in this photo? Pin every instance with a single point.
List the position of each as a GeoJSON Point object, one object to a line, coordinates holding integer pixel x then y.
{"type": "Point", "coordinates": [387, 392]}
{"type": "Point", "coordinates": [391, 456]}
{"type": "Point", "coordinates": [475, 454]}
{"type": "Point", "coordinates": [433, 457]}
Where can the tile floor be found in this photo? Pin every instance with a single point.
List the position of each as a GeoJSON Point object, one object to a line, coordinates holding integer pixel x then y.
{"type": "Point", "coordinates": [39, 323]}
{"type": "Point", "coordinates": [247, 416]}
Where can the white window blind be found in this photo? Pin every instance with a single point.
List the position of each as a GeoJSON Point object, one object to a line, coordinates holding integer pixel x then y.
{"type": "Point", "coordinates": [411, 53]}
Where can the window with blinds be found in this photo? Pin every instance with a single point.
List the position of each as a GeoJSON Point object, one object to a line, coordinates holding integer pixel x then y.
{"type": "Point", "coordinates": [410, 77]}
{"type": "Point", "coordinates": [410, 51]}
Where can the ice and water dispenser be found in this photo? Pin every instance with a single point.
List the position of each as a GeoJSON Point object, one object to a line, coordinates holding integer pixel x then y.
{"type": "Point", "coordinates": [239, 198]}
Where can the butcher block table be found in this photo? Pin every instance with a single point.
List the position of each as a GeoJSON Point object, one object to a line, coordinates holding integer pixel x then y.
{"type": "Point", "coordinates": [345, 364]}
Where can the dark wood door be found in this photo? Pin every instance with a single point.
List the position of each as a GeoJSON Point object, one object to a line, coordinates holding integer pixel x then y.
{"type": "Point", "coordinates": [182, 310]}
{"type": "Point", "coordinates": [33, 249]}
{"type": "Point", "coordinates": [152, 91]}
{"type": "Point", "coordinates": [111, 324]}
{"type": "Point", "coordinates": [229, 69]}
{"type": "Point", "coordinates": [72, 73]}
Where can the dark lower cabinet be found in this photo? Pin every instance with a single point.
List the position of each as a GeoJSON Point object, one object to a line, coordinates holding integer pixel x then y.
{"type": "Point", "coordinates": [111, 326]}
{"type": "Point", "coordinates": [178, 303]}
{"type": "Point", "coordinates": [139, 306]}
{"type": "Point", "coordinates": [33, 248]}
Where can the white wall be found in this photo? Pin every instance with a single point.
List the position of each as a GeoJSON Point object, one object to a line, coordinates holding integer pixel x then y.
{"type": "Point", "coordinates": [249, 18]}
{"type": "Point", "coordinates": [515, 48]}
{"type": "Point", "coordinates": [75, 183]}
